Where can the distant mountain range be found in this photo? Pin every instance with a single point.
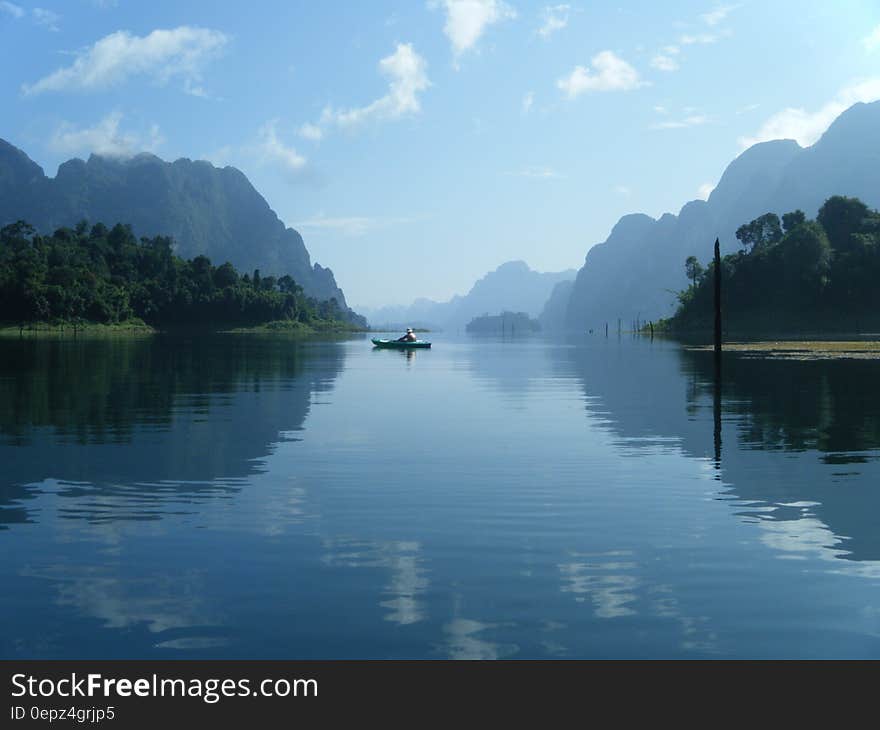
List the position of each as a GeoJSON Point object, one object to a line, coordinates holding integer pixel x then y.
{"type": "Point", "coordinates": [513, 286]}
{"type": "Point", "coordinates": [207, 210]}
{"type": "Point", "coordinates": [637, 270]}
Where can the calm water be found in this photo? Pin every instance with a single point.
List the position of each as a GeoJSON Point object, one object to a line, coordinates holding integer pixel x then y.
{"type": "Point", "coordinates": [254, 497]}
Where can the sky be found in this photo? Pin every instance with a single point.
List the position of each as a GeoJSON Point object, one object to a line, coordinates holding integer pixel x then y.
{"type": "Point", "coordinates": [418, 145]}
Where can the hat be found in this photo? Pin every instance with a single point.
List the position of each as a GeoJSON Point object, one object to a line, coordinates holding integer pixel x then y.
{"type": "Point", "coordinates": [409, 329]}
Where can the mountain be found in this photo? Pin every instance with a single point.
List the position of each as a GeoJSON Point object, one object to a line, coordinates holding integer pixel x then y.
{"type": "Point", "coordinates": [513, 286]}
{"type": "Point", "coordinates": [207, 210]}
{"type": "Point", "coordinates": [552, 316]}
{"type": "Point", "coordinates": [637, 270]}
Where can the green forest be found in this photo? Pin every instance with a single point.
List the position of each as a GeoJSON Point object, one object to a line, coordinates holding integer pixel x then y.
{"type": "Point", "coordinates": [92, 274]}
{"type": "Point", "coordinates": [793, 273]}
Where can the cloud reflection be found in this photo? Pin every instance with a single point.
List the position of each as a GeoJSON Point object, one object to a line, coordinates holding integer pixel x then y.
{"type": "Point", "coordinates": [408, 577]}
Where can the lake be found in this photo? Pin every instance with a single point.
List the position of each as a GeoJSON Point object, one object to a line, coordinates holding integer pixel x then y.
{"type": "Point", "coordinates": [258, 497]}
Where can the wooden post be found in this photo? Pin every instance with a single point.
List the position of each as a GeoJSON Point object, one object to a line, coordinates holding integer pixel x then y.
{"type": "Point", "coordinates": [716, 394]}
{"type": "Point", "coordinates": [716, 415]}
{"type": "Point", "coordinates": [717, 304]}
{"type": "Point", "coordinates": [606, 329]}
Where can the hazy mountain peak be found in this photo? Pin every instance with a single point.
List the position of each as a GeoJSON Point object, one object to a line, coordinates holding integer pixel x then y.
{"type": "Point", "coordinates": [758, 161]}
{"type": "Point", "coordinates": [858, 122]}
{"type": "Point", "coordinates": [15, 165]}
{"type": "Point", "coordinates": [512, 266]}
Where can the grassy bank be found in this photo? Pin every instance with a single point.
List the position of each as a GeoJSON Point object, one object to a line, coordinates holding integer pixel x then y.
{"type": "Point", "coordinates": [137, 327]}
{"type": "Point", "coordinates": [293, 327]}
{"type": "Point", "coordinates": [67, 329]}
{"type": "Point", "coordinates": [804, 350]}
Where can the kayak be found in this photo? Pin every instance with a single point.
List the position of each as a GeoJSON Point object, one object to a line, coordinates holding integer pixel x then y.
{"type": "Point", "coordinates": [402, 345]}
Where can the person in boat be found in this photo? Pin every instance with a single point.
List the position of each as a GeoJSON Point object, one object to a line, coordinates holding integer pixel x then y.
{"type": "Point", "coordinates": [410, 336]}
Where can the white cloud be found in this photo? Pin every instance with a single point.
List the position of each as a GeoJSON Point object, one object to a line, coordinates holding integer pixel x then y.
{"type": "Point", "coordinates": [350, 225]}
{"type": "Point", "coordinates": [527, 102]}
{"type": "Point", "coordinates": [16, 11]}
{"type": "Point", "coordinates": [747, 108]}
{"type": "Point", "coordinates": [272, 150]}
{"type": "Point", "coordinates": [622, 190]}
{"type": "Point", "coordinates": [872, 40]}
{"type": "Point", "coordinates": [163, 54]}
{"type": "Point", "coordinates": [46, 18]}
{"type": "Point", "coordinates": [406, 70]}
{"type": "Point", "coordinates": [806, 127]}
{"type": "Point", "coordinates": [705, 190]}
{"type": "Point", "coordinates": [718, 15]}
{"type": "Point", "coordinates": [222, 156]}
{"type": "Point", "coordinates": [105, 138]}
{"type": "Point", "coordinates": [537, 173]}
{"type": "Point", "coordinates": [266, 149]}
{"type": "Point", "coordinates": [555, 18]}
{"type": "Point", "coordinates": [467, 20]}
{"type": "Point", "coordinates": [311, 131]}
{"type": "Point", "coordinates": [664, 63]}
{"type": "Point", "coordinates": [698, 39]}
{"type": "Point", "coordinates": [694, 120]}
{"type": "Point", "coordinates": [609, 73]}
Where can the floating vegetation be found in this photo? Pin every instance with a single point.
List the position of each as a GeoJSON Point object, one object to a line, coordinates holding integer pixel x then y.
{"type": "Point", "coordinates": [806, 350]}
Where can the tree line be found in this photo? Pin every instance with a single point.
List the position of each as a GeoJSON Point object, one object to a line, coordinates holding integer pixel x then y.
{"type": "Point", "coordinates": [95, 274]}
{"type": "Point", "coordinates": [793, 272]}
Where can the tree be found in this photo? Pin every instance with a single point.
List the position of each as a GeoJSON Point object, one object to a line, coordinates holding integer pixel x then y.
{"type": "Point", "coordinates": [807, 259]}
{"type": "Point", "coordinates": [841, 217]}
{"type": "Point", "coordinates": [693, 269]}
{"type": "Point", "coordinates": [761, 232]}
{"type": "Point", "coordinates": [108, 276]}
{"type": "Point", "coordinates": [225, 275]}
{"type": "Point", "coordinates": [792, 220]}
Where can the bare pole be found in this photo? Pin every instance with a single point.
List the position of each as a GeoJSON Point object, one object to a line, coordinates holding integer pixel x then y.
{"type": "Point", "coordinates": [717, 304]}
{"type": "Point", "coordinates": [716, 399]}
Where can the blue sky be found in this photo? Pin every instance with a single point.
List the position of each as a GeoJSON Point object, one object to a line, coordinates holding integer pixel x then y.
{"type": "Point", "coordinates": [418, 145]}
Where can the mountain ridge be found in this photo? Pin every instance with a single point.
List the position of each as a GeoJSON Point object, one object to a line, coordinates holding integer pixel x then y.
{"type": "Point", "coordinates": [637, 270]}
{"type": "Point", "coordinates": [512, 286]}
{"type": "Point", "coordinates": [207, 210]}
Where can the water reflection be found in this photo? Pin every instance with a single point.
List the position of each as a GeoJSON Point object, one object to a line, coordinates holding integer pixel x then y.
{"type": "Point", "coordinates": [105, 441]}
{"type": "Point", "coordinates": [830, 406]}
{"type": "Point", "coordinates": [130, 428]}
{"type": "Point", "coordinates": [564, 499]}
{"type": "Point", "coordinates": [604, 579]}
{"type": "Point", "coordinates": [405, 564]}
{"type": "Point", "coordinates": [469, 639]}
{"type": "Point", "coordinates": [466, 639]}
{"type": "Point", "coordinates": [826, 411]}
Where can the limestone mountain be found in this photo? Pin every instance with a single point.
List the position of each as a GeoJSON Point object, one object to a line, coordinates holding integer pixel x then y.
{"type": "Point", "coordinates": [513, 286]}
{"type": "Point", "coordinates": [637, 270]}
{"type": "Point", "coordinates": [207, 210]}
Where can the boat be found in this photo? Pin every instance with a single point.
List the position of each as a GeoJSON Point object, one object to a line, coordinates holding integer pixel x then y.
{"type": "Point", "coordinates": [401, 345]}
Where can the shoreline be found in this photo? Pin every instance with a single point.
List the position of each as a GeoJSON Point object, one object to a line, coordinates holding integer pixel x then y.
{"type": "Point", "coordinates": [138, 328]}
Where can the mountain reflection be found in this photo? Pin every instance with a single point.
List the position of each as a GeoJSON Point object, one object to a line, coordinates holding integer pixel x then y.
{"type": "Point", "coordinates": [660, 395]}
{"type": "Point", "coordinates": [830, 406]}
{"type": "Point", "coordinates": [131, 426]}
